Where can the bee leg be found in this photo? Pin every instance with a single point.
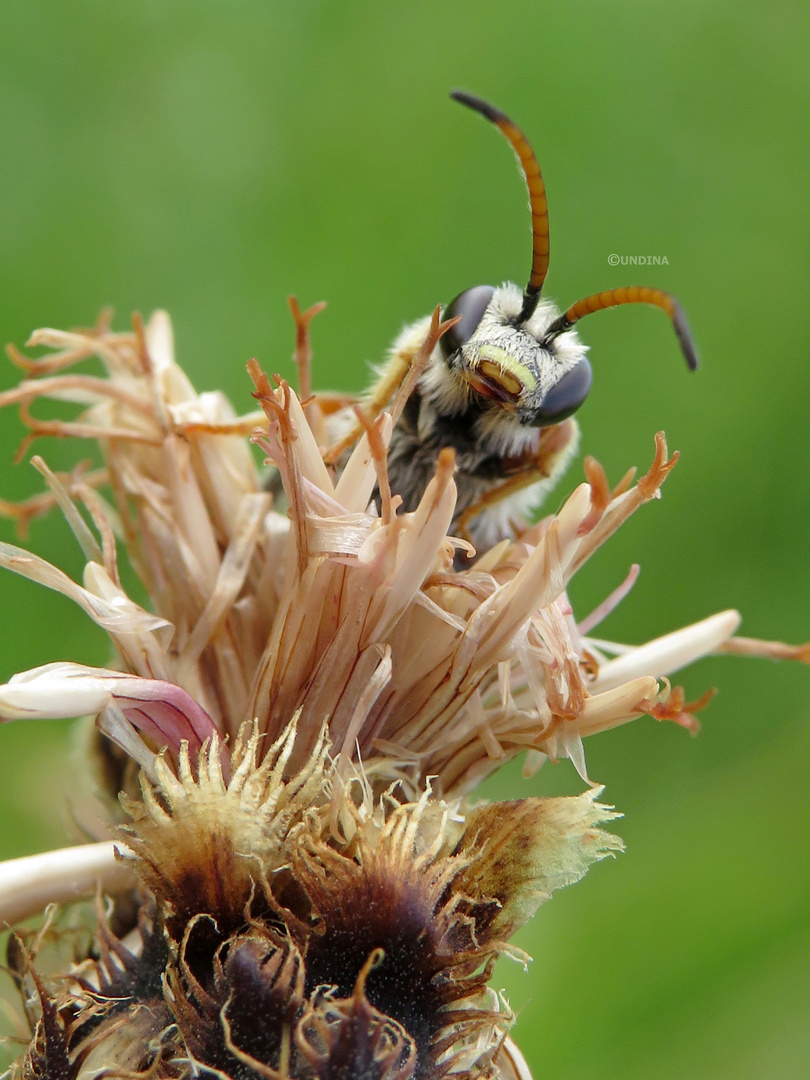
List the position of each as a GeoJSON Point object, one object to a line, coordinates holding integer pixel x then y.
{"type": "Point", "coordinates": [390, 381]}
{"type": "Point", "coordinates": [383, 392]}
{"type": "Point", "coordinates": [546, 462]}
{"type": "Point", "coordinates": [494, 496]}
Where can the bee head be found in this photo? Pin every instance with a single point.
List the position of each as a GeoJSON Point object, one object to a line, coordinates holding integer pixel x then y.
{"type": "Point", "coordinates": [511, 364]}
{"type": "Point", "coordinates": [512, 350]}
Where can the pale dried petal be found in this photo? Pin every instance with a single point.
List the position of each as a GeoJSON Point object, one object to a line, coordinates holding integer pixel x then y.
{"type": "Point", "coordinates": [88, 543]}
{"type": "Point", "coordinates": [29, 884]}
{"type": "Point", "coordinates": [118, 615]}
{"type": "Point", "coordinates": [230, 579]}
{"type": "Point", "coordinates": [670, 652]}
{"type": "Point", "coordinates": [419, 538]}
{"type": "Point", "coordinates": [161, 710]}
{"type": "Point", "coordinates": [356, 483]}
{"type": "Point", "coordinates": [308, 453]}
{"type": "Point", "coordinates": [610, 708]}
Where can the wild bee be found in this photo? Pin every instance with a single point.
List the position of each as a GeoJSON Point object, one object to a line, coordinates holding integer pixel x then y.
{"type": "Point", "coordinates": [501, 385]}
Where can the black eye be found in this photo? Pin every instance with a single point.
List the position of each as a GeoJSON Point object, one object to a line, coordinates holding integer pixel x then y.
{"type": "Point", "coordinates": [470, 305]}
{"type": "Point", "coordinates": [566, 396]}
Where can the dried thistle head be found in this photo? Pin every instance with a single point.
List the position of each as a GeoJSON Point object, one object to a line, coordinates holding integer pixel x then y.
{"type": "Point", "coordinates": [310, 701]}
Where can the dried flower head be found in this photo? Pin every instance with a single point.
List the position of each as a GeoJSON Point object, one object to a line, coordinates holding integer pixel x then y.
{"type": "Point", "coordinates": [302, 887]}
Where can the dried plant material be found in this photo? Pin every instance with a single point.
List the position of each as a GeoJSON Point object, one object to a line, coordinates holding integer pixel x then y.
{"type": "Point", "coordinates": [311, 696]}
{"type": "Point", "coordinates": [29, 884]}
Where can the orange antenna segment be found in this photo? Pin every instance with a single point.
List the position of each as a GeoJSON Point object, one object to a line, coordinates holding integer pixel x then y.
{"type": "Point", "coordinates": [632, 294]}
{"type": "Point", "coordinates": [537, 195]}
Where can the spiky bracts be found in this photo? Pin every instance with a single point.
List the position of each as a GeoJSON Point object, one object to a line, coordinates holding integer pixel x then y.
{"type": "Point", "coordinates": [301, 928]}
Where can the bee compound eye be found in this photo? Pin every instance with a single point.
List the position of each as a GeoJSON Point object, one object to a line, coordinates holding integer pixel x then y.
{"type": "Point", "coordinates": [470, 306]}
{"type": "Point", "coordinates": [566, 396]}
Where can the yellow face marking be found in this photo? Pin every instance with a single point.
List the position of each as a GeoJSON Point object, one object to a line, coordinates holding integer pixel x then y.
{"type": "Point", "coordinates": [505, 369]}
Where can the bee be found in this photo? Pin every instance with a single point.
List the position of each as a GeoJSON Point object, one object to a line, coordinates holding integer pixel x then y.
{"type": "Point", "coordinates": [502, 384]}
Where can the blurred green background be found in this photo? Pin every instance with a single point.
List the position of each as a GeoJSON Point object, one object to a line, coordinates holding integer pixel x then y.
{"type": "Point", "coordinates": [211, 158]}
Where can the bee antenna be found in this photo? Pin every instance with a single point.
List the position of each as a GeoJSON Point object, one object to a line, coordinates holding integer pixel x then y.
{"type": "Point", "coordinates": [537, 196]}
{"type": "Point", "coordinates": [633, 294]}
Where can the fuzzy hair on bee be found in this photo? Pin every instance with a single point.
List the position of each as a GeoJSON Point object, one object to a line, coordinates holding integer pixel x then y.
{"type": "Point", "coordinates": [501, 385]}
